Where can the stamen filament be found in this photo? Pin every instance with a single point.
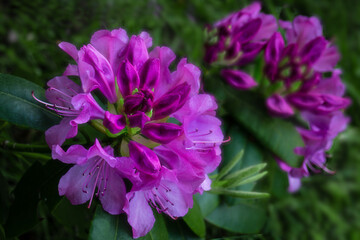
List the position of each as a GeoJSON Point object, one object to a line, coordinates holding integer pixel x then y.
{"type": "Point", "coordinates": [201, 135]}
{"type": "Point", "coordinates": [40, 101]}
{"type": "Point", "coordinates": [61, 92]}
{"type": "Point", "coordinates": [63, 100]}
{"type": "Point", "coordinates": [95, 183]}
{"type": "Point", "coordinates": [72, 90]}
{"type": "Point", "coordinates": [224, 141]}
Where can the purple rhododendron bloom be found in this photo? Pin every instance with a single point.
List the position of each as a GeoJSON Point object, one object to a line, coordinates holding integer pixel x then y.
{"type": "Point", "coordinates": [318, 139]}
{"type": "Point", "coordinates": [236, 40]}
{"type": "Point", "coordinates": [299, 63]}
{"type": "Point", "coordinates": [306, 51]}
{"type": "Point", "coordinates": [165, 135]}
{"type": "Point", "coordinates": [321, 108]}
{"type": "Point", "coordinates": [295, 67]}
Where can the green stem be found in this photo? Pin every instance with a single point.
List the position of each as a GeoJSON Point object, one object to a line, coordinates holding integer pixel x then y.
{"type": "Point", "coordinates": [5, 124]}
{"type": "Point", "coordinates": [98, 126]}
{"type": "Point", "coordinates": [86, 136]}
{"type": "Point", "coordinates": [20, 147]}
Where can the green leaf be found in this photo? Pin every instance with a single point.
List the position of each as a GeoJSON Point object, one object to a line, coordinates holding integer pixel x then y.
{"type": "Point", "coordinates": [228, 167]}
{"type": "Point", "coordinates": [159, 231]}
{"type": "Point", "coordinates": [246, 172]}
{"type": "Point", "coordinates": [116, 227]}
{"type": "Point", "coordinates": [19, 107]}
{"type": "Point", "coordinates": [178, 230]}
{"type": "Point", "coordinates": [252, 153]}
{"type": "Point", "coordinates": [239, 194]}
{"type": "Point", "coordinates": [76, 218]}
{"type": "Point", "coordinates": [39, 183]}
{"type": "Point", "coordinates": [230, 150]}
{"type": "Point", "coordinates": [207, 202]}
{"type": "Point", "coordinates": [242, 177]}
{"type": "Point", "coordinates": [195, 220]}
{"type": "Point", "coordinates": [275, 134]}
{"type": "Point", "coordinates": [4, 199]}
{"type": "Point", "coordinates": [247, 217]}
{"type": "Point", "coordinates": [240, 182]}
{"type": "Point", "coordinates": [238, 178]}
{"type": "Point", "coordinates": [278, 182]}
{"type": "Point", "coordinates": [2, 233]}
{"type": "Point", "coordinates": [106, 226]}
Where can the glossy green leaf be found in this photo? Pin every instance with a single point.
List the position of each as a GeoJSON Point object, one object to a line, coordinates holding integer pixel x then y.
{"type": "Point", "coordinates": [19, 107]}
{"type": "Point", "coordinates": [207, 202]}
{"type": "Point", "coordinates": [116, 227]}
{"type": "Point", "coordinates": [39, 183]}
{"type": "Point", "coordinates": [247, 217]}
{"type": "Point", "coordinates": [275, 134]}
{"type": "Point", "coordinates": [195, 220]}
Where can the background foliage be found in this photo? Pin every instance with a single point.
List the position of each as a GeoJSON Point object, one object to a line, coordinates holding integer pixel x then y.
{"type": "Point", "coordinates": [326, 207]}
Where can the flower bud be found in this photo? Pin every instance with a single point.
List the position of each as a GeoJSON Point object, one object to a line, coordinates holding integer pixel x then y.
{"type": "Point", "coordinates": [162, 132]}
{"type": "Point", "coordinates": [150, 73]}
{"type": "Point", "coordinates": [127, 78]}
{"type": "Point", "coordinates": [238, 79]}
{"type": "Point", "coordinates": [115, 123]}
{"type": "Point", "coordinates": [144, 158]}
{"type": "Point", "coordinates": [278, 106]}
{"type": "Point", "coordinates": [138, 119]}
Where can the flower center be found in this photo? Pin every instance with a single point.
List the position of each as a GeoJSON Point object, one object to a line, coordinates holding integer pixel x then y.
{"type": "Point", "coordinates": [158, 199]}
{"type": "Point", "coordinates": [140, 101]}
{"type": "Point", "coordinates": [96, 175]}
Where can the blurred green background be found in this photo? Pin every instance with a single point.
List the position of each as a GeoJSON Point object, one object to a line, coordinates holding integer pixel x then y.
{"type": "Point", "coordinates": [327, 207]}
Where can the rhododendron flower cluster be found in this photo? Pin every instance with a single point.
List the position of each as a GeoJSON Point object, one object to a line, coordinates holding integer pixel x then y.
{"type": "Point", "coordinates": [299, 66]}
{"type": "Point", "coordinates": [301, 73]}
{"type": "Point", "coordinates": [160, 135]}
{"type": "Point", "coordinates": [236, 40]}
